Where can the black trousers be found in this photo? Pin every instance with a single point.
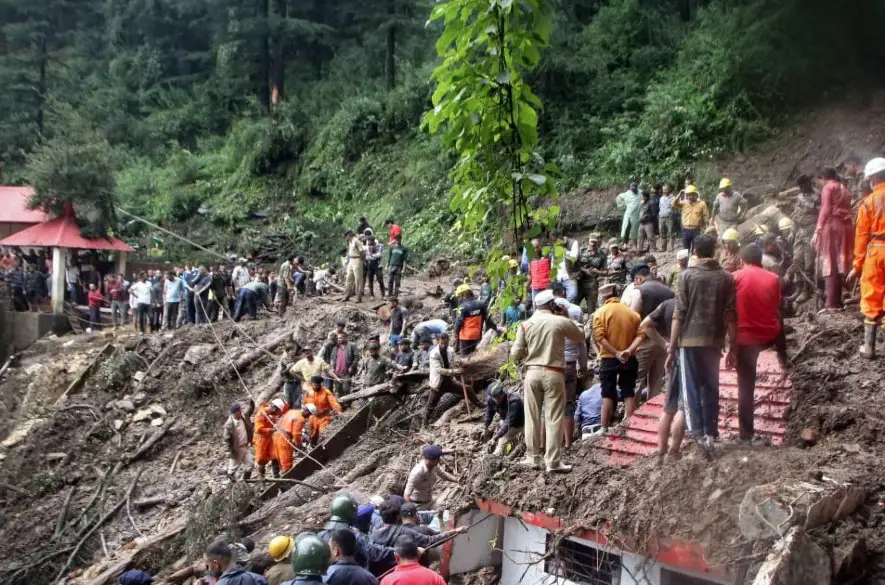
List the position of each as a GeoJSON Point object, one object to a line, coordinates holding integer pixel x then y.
{"type": "Point", "coordinates": [172, 315]}
{"type": "Point", "coordinates": [141, 314]}
{"type": "Point", "coordinates": [375, 272]}
{"type": "Point", "coordinates": [747, 359]}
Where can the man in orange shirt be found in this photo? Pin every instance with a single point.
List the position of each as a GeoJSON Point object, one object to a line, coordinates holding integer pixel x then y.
{"type": "Point", "coordinates": [289, 432]}
{"type": "Point", "coordinates": [265, 420]}
{"type": "Point", "coordinates": [326, 405]}
{"type": "Point", "coordinates": [869, 255]}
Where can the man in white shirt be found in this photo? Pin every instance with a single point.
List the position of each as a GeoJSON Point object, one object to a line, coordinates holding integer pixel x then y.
{"type": "Point", "coordinates": [72, 279]}
{"type": "Point", "coordinates": [240, 275]}
{"type": "Point", "coordinates": [419, 486]}
{"type": "Point", "coordinates": [141, 293]}
{"type": "Point", "coordinates": [568, 271]}
{"type": "Point", "coordinates": [442, 381]}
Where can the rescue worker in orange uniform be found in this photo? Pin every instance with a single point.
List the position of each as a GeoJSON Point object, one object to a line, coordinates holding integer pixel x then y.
{"type": "Point", "coordinates": [265, 420]}
{"type": "Point", "coordinates": [290, 431]}
{"type": "Point", "coordinates": [869, 254]}
{"type": "Point", "coordinates": [326, 405]}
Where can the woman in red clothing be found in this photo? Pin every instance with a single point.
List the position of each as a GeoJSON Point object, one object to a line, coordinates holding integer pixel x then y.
{"type": "Point", "coordinates": [833, 237]}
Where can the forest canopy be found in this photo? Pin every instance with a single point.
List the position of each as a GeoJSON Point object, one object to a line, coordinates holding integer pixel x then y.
{"type": "Point", "coordinates": [307, 114]}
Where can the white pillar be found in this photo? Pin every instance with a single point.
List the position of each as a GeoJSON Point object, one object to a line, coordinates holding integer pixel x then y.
{"type": "Point", "coordinates": [58, 280]}
{"type": "Point", "coordinates": [121, 263]}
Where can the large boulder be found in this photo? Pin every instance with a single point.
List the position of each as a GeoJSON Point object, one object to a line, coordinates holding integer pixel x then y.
{"type": "Point", "coordinates": [795, 560]}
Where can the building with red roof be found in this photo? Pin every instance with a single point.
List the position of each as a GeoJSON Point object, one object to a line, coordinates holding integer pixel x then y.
{"type": "Point", "coordinates": [14, 213]}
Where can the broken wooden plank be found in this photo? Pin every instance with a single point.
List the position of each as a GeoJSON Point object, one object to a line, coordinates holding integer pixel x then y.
{"type": "Point", "coordinates": [84, 375]}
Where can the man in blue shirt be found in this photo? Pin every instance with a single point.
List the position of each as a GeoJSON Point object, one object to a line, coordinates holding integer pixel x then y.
{"type": "Point", "coordinates": [588, 414]}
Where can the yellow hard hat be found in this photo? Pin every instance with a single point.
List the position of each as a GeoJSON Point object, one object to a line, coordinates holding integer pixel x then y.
{"type": "Point", "coordinates": [513, 263]}
{"type": "Point", "coordinates": [785, 224]}
{"type": "Point", "coordinates": [505, 258]}
{"type": "Point", "coordinates": [280, 547]}
{"type": "Point", "coordinates": [724, 183]}
{"type": "Point", "coordinates": [464, 288]}
{"type": "Point", "coordinates": [691, 189]}
{"type": "Point", "coordinates": [730, 235]}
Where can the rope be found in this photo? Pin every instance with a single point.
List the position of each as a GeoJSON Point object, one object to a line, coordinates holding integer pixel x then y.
{"type": "Point", "coordinates": [173, 234]}
{"type": "Point", "coordinates": [249, 393]}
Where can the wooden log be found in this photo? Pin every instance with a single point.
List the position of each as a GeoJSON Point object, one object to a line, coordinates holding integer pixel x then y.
{"type": "Point", "coordinates": [84, 375]}
{"type": "Point", "coordinates": [129, 557]}
{"type": "Point", "coordinates": [224, 369]}
{"type": "Point", "coordinates": [376, 390]}
{"type": "Point", "coordinates": [151, 442]}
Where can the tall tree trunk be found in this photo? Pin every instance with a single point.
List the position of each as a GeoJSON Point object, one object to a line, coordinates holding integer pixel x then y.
{"type": "Point", "coordinates": [264, 55]}
{"type": "Point", "coordinates": [390, 61]}
{"type": "Point", "coordinates": [390, 66]}
{"type": "Point", "coordinates": [41, 86]}
{"type": "Point", "coordinates": [280, 45]}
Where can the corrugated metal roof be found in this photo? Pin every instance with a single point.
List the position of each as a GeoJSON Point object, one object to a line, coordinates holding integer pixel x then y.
{"type": "Point", "coordinates": [772, 399]}
{"type": "Point", "coordinates": [62, 232]}
{"type": "Point", "coordinates": [14, 206]}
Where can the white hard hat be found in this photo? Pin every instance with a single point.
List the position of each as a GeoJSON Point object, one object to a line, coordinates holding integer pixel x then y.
{"type": "Point", "coordinates": [543, 297]}
{"type": "Point", "coordinates": [874, 167]}
{"type": "Point", "coordinates": [278, 402]}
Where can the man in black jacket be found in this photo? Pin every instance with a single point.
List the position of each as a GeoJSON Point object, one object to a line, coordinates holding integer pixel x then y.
{"type": "Point", "coordinates": [368, 554]}
{"type": "Point", "coordinates": [394, 528]}
{"type": "Point", "coordinates": [344, 570]}
{"type": "Point", "coordinates": [510, 410]}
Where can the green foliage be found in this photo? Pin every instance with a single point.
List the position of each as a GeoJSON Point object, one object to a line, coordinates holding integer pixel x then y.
{"type": "Point", "coordinates": [74, 168]}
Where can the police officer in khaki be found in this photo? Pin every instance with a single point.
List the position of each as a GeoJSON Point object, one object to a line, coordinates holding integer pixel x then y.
{"type": "Point", "coordinates": [355, 267]}
{"type": "Point", "coordinates": [540, 343]}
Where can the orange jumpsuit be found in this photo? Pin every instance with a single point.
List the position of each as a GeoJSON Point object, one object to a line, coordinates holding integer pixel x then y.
{"type": "Point", "coordinates": [325, 402]}
{"type": "Point", "coordinates": [869, 254]}
{"type": "Point", "coordinates": [263, 437]}
{"type": "Point", "coordinates": [290, 428]}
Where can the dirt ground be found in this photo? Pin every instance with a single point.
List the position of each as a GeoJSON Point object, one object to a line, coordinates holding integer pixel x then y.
{"type": "Point", "coordinates": [68, 462]}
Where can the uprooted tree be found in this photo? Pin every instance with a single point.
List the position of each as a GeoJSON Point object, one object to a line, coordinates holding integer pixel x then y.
{"type": "Point", "coordinates": [489, 117]}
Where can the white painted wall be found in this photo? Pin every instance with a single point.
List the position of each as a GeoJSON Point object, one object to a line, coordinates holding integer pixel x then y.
{"type": "Point", "coordinates": [524, 544]}
{"type": "Point", "coordinates": [480, 547]}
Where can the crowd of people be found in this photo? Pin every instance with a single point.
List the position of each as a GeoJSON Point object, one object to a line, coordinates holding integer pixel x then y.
{"type": "Point", "coordinates": [585, 314]}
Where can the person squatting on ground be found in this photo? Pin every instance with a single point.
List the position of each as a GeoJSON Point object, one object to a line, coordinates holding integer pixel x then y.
{"type": "Point", "coordinates": [705, 313]}
{"type": "Point", "coordinates": [540, 344]}
{"type": "Point", "coordinates": [511, 414]}
{"type": "Point", "coordinates": [869, 255]}
{"type": "Point", "coordinates": [758, 302]}
{"type": "Point", "coordinates": [615, 326]}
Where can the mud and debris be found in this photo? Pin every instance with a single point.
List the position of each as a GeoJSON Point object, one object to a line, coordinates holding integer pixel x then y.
{"type": "Point", "coordinates": [155, 405]}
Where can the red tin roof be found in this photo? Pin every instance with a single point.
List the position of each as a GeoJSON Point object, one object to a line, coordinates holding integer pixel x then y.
{"type": "Point", "coordinates": [63, 232]}
{"type": "Point", "coordinates": [772, 400]}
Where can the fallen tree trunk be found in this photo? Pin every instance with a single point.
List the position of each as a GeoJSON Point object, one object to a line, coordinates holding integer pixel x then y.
{"type": "Point", "coordinates": [394, 386]}
{"type": "Point", "coordinates": [485, 364]}
{"type": "Point", "coordinates": [82, 377]}
{"type": "Point", "coordinates": [223, 368]}
{"type": "Point", "coordinates": [151, 442]}
{"type": "Point", "coordinates": [128, 557]}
